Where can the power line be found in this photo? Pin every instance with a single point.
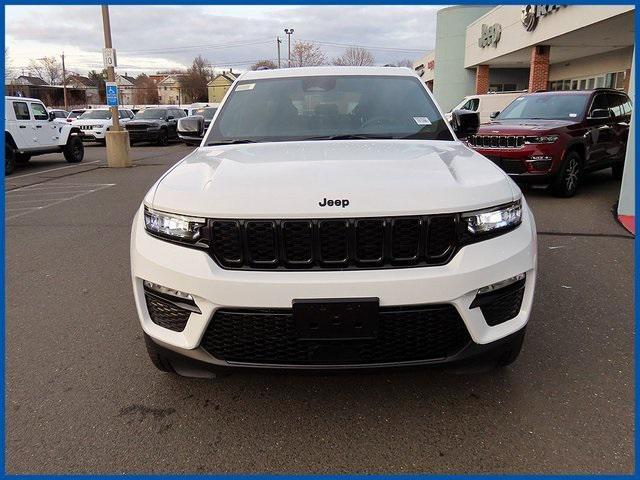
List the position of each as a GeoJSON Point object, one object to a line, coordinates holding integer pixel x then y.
{"type": "Point", "coordinates": [209, 46]}
{"type": "Point", "coordinates": [346, 45]}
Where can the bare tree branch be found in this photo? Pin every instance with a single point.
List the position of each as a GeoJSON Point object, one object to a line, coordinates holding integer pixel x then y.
{"type": "Point", "coordinates": [305, 54]}
{"type": "Point", "coordinates": [47, 69]}
{"type": "Point", "coordinates": [355, 56]}
{"type": "Point", "coordinates": [261, 64]}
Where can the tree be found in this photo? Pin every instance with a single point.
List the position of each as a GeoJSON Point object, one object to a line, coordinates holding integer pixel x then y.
{"type": "Point", "coordinates": [194, 82]}
{"type": "Point", "coordinates": [47, 69]}
{"type": "Point", "coordinates": [403, 63]}
{"type": "Point", "coordinates": [355, 56]}
{"type": "Point", "coordinates": [262, 64]}
{"type": "Point", "coordinates": [98, 79]}
{"type": "Point", "coordinates": [305, 54]}
{"type": "Point", "coordinates": [145, 91]}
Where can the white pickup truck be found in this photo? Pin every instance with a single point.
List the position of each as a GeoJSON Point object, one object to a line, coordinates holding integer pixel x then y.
{"type": "Point", "coordinates": [30, 130]}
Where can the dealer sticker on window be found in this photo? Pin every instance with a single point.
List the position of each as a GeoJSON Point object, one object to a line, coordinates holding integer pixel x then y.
{"type": "Point", "coordinates": [245, 86]}
{"type": "Point", "coordinates": [422, 120]}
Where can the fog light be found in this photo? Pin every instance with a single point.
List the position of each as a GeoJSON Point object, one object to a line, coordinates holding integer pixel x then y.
{"type": "Point", "coordinates": [539, 163]}
{"type": "Point", "coordinates": [166, 290]}
{"type": "Point", "coordinates": [504, 283]}
{"type": "Point", "coordinates": [176, 297]}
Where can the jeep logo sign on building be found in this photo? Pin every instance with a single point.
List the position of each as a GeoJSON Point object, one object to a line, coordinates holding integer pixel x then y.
{"type": "Point", "coordinates": [490, 35]}
{"type": "Point", "coordinates": [531, 14]}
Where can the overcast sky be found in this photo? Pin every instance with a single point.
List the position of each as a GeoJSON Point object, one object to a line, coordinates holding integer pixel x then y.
{"type": "Point", "coordinates": [150, 38]}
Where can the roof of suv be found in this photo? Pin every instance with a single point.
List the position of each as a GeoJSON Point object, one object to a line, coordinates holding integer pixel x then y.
{"type": "Point", "coordinates": [575, 92]}
{"type": "Point", "coordinates": [332, 70]}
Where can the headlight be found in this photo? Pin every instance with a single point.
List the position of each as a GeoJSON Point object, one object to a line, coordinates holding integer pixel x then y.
{"type": "Point", "coordinates": [177, 227]}
{"type": "Point", "coordinates": [542, 139]}
{"type": "Point", "coordinates": [494, 219]}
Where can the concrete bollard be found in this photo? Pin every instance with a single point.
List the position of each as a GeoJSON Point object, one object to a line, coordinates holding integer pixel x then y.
{"type": "Point", "coordinates": [117, 149]}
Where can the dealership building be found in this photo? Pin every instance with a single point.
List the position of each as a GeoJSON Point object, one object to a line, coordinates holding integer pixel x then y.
{"type": "Point", "coordinates": [483, 49]}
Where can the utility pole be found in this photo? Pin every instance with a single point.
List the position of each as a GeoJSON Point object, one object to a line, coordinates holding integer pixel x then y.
{"type": "Point", "coordinates": [289, 32]}
{"type": "Point", "coordinates": [278, 42]}
{"type": "Point", "coordinates": [111, 73]}
{"type": "Point", "coordinates": [116, 138]}
{"type": "Point", "coordinates": [64, 83]}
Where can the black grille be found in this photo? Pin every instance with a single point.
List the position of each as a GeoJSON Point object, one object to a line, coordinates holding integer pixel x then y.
{"type": "Point", "coordinates": [136, 126]}
{"type": "Point", "coordinates": [496, 141]}
{"type": "Point", "coordinates": [270, 337]}
{"type": "Point", "coordinates": [334, 243]}
{"type": "Point", "coordinates": [166, 314]}
{"type": "Point", "coordinates": [504, 305]}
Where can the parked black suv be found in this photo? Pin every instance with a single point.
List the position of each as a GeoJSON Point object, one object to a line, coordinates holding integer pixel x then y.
{"type": "Point", "coordinates": [157, 125]}
{"type": "Point", "coordinates": [555, 137]}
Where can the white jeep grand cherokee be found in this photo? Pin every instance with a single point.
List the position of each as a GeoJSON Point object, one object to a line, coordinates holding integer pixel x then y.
{"type": "Point", "coordinates": [332, 219]}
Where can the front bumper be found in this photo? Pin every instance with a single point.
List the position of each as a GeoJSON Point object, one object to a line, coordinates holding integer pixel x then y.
{"type": "Point", "coordinates": [143, 135]}
{"type": "Point", "coordinates": [530, 163]}
{"type": "Point", "coordinates": [92, 135]}
{"type": "Point", "coordinates": [213, 288]}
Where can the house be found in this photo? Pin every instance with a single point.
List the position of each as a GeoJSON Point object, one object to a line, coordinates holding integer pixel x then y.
{"type": "Point", "coordinates": [28, 80]}
{"type": "Point", "coordinates": [126, 88]}
{"type": "Point", "coordinates": [169, 90]}
{"type": "Point", "coordinates": [81, 82]}
{"type": "Point", "coordinates": [219, 85]}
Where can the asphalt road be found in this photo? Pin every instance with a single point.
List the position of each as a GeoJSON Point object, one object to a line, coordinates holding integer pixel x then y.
{"type": "Point", "coordinates": [83, 397]}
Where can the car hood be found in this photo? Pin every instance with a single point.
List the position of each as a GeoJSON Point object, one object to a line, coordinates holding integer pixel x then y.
{"type": "Point", "coordinates": [522, 127]}
{"type": "Point", "coordinates": [291, 179]}
{"type": "Point", "coordinates": [90, 121]}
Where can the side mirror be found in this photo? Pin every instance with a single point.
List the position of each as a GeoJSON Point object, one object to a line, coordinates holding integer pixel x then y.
{"type": "Point", "coordinates": [170, 117]}
{"type": "Point", "coordinates": [465, 122]}
{"type": "Point", "coordinates": [52, 116]}
{"type": "Point", "coordinates": [191, 129]}
{"type": "Point", "coordinates": [599, 114]}
{"type": "Point", "coordinates": [493, 115]}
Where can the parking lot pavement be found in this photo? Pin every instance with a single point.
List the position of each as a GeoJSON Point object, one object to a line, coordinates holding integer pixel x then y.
{"type": "Point", "coordinates": [83, 397]}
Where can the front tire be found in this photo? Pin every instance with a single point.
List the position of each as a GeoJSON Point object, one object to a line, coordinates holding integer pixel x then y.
{"type": "Point", "coordinates": [22, 158]}
{"type": "Point", "coordinates": [155, 355]}
{"type": "Point", "coordinates": [74, 149]}
{"type": "Point", "coordinates": [511, 352]}
{"type": "Point", "coordinates": [9, 159]}
{"type": "Point", "coordinates": [617, 170]}
{"type": "Point", "coordinates": [163, 138]}
{"type": "Point", "coordinates": [568, 180]}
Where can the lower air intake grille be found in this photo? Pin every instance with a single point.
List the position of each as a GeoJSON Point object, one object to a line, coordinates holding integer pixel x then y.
{"type": "Point", "coordinates": [505, 306]}
{"type": "Point", "coordinates": [166, 314]}
{"type": "Point", "coordinates": [334, 243]}
{"type": "Point", "coordinates": [270, 337]}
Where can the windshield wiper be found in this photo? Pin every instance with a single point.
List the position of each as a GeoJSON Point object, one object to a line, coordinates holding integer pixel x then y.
{"type": "Point", "coordinates": [352, 136]}
{"type": "Point", "coordinates": [232, 142]}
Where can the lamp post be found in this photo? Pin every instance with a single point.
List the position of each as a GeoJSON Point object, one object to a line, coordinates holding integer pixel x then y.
{"type": "Point", "coordinates": [116, 139]}
{"type": "Point", "coordinates": [289, 32]}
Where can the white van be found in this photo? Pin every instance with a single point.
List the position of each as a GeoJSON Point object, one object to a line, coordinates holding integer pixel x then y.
{"type": "Point", "coordinates": [486, 104]}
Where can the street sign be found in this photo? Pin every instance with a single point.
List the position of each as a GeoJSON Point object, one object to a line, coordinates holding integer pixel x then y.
{"type": "Point", "coordinates": [109, 57]}
{"type": "Point", "coordinates": [112, 94]}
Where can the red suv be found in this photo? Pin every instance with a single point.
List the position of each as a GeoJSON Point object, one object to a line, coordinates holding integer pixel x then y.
{"type": "Point", "coordinates": [555, 137]}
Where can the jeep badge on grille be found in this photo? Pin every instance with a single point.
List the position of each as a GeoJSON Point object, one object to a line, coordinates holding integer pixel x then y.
{"type": "Point", "coordinates": [334, 203]}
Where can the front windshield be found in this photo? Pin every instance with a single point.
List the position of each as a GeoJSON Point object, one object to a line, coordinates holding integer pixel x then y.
{"type": "Point", "coordinates": [545, 107]}
{"type": "Point", "coordinates": [326, 107]}
{"type": "Point", "coordinates": [95, 115]}
{"type": "Point", "coordinates": [152, 113]}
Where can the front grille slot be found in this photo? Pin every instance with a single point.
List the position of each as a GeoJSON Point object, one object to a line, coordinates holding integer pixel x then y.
{"type": "Point", "coordinates": [405, 334]}
{"type": "Point", "coordinates": [334, 243]}
{"type": "Point", "coordinates": [496, 141]}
